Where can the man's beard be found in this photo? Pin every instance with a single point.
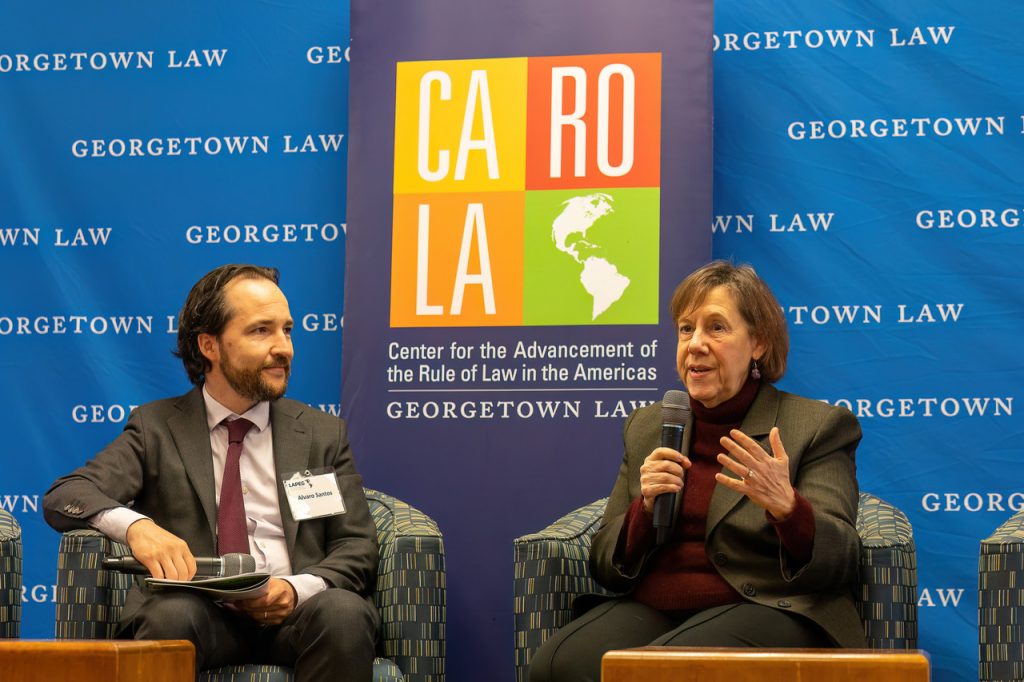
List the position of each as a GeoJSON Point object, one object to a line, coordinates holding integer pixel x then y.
{"type": "Point", "coordinates": [249, 383]}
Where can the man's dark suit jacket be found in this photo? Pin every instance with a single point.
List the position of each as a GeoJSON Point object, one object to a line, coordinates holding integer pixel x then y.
{"type": "Point", "coordinates": [162, 462]}
{"type": "Point", "coordinates": [744, 548]}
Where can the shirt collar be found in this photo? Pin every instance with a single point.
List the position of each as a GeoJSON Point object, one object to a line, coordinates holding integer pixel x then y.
{"type": "Point", "coordinates": [258, 414]}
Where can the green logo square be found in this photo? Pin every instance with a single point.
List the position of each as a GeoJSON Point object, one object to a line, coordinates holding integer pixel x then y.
{"type": "Point", "coordinates": [591, 256]}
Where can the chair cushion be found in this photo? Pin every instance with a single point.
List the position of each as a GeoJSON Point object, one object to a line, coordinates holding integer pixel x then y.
{"type": "Point", "coordinates": [1001, 603]}
{"type": "Point", "coordinates": [887, 594]}
{"type": "Point", "coordinates": [551, 570]}
{"type": "Point", "coordinates": [10, 576]}
{"type": "Point", "coordinates": [410, 590]}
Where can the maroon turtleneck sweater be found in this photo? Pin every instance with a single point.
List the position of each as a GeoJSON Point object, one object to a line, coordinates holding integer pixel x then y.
{"type": "Point", "coordinates": [680, 576]}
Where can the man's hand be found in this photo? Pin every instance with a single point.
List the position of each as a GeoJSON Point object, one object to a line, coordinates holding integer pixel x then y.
{"type": "Point", "coordinates": [273, 606]}
{"type": "Point", "coordinates": [164, 554]}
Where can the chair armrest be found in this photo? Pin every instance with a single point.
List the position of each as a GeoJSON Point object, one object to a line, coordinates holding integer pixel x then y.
{"type": "Point", "coordinates": [410, 593]}
{"type": "Point", "coordinates": [89, 597]}
{"type": "Point", "coordinates": [10, 576]}
{"type": "Point", "coordinates": [552, 568]}
{"type": "Point", "coordinates": [1001, 602]}
{"type": "Point", "coordinates": [888, 575]}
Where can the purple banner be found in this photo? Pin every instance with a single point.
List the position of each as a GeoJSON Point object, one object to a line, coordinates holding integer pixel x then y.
{"type": "Point", "coordinates": [511, 258]}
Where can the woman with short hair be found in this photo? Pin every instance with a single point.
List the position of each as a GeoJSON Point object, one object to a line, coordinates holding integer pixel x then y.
{"type": "Point", "coordinates": [763, 547]}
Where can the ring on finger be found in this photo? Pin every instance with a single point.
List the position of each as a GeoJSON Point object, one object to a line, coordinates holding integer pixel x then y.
{"type": "Point", "coordinates": [750, 474]}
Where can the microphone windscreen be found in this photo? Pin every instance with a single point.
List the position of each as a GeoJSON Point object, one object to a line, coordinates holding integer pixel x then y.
{"type": "Point", "coordinates": [237, 564]}
{"type": "Point", "coordinates": [675, 408]}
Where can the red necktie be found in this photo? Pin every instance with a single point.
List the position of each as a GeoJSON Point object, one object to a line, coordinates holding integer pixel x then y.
{"type": "Point", "coordinates": [232, 529]}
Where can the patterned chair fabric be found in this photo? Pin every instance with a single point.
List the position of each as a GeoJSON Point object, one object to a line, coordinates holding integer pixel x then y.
{"type": "Point", "coordinates": [410, 596]}
{"type": "Point", "coordinates": [1001, 603]}
{"type": "Point", "coordinates": [552, 569]}
{"type": "Point", "coordinates": [10, 576]}
{"type": "Point", "coordinates": [888, 575]}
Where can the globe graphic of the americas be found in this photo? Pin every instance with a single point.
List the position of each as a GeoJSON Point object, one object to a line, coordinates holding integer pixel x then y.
{"type": "Point", "coordinates": [599, 277]}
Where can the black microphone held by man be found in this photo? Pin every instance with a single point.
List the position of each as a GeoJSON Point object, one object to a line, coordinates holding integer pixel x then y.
{"type": "Point", "coordinates": [206, 567]}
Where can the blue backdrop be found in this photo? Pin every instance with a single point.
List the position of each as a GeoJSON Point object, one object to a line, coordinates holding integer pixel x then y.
{"type": "Point", "coordinates": [141, 146]}
{"type": "Point", "coordinates": [866, 162]}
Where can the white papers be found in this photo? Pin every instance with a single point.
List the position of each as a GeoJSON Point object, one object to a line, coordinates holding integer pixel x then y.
{"type": "Point", "coordinates": [244, 586]}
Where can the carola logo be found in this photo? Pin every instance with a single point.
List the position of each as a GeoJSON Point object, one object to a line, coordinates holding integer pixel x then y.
{"type": "Point", "coordinates": [527, 191]}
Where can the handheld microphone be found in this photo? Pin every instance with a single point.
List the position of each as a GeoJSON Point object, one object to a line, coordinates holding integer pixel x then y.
{"type": "Point", "coordinates": [206, 567]}
{"type": "Point", "coordinates": [675, 410]}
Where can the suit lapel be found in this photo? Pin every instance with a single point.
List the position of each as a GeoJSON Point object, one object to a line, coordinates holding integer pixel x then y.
{"type": "Point", "coordinates": [291, 454]}
{"type": "Point", "coordinates": [191, 436]}
{"type": "Point", "coordinates": [760, 419]}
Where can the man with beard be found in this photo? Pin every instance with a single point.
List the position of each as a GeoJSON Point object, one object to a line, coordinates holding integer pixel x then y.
{"type": "Point", "coordinates": [172, 487]}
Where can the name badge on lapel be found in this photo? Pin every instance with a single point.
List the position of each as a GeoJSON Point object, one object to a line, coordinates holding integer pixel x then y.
{"type": "Point", "coordinates": [313, 494]}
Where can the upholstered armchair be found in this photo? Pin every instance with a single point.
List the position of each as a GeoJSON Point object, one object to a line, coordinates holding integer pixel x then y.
{"type": "Point", "coordinates": [1001, 603]}
{"type": "Point", "coordinates": [552, 569]}
{"type": "Point", "coordinates": [410, 596]}
{"type": "Point", "coordinates": [10, 576]}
